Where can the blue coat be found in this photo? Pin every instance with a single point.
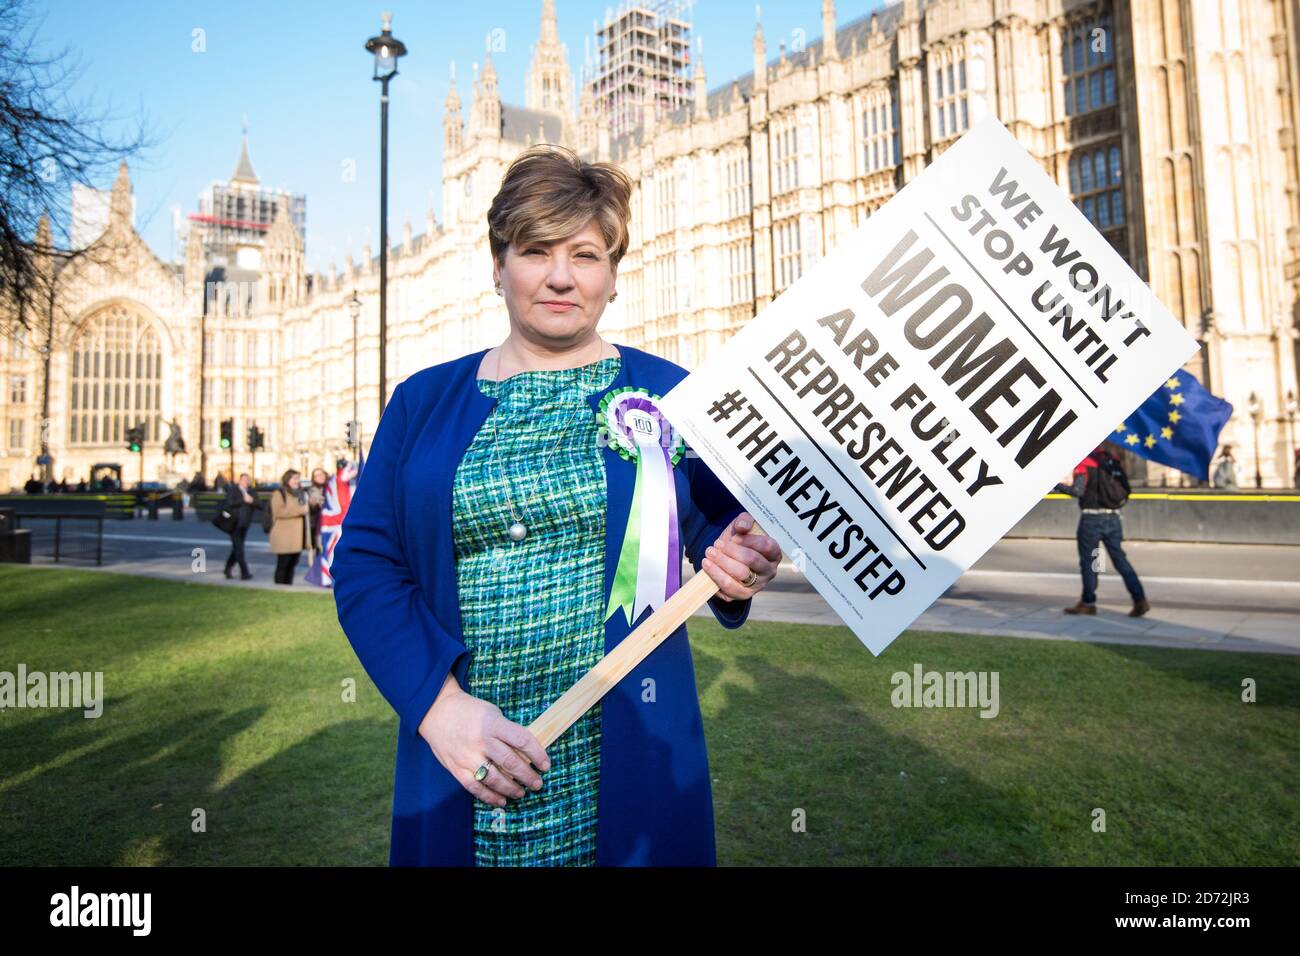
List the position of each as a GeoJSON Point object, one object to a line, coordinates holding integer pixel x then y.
{"type": "Point", "coordinates": [396, 595]}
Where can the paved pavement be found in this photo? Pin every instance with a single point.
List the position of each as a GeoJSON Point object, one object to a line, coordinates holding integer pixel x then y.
{"type": "Point", "coordinates": [1214, 597]}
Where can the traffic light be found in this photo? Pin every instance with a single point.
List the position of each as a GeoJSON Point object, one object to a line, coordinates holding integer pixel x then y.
{"type": "Point", "coordinates": [134, 437]}
{"type": "Point", "coordinates": [227, 432]}
{"type": "Point", "coordinates": [255, 438]}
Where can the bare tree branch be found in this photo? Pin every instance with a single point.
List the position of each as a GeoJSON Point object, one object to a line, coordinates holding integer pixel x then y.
{"type": "Point", "coordinates": [47, 143]}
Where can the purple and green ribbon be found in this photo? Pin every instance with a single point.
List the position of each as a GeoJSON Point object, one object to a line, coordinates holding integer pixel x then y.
{"type": "Point", "coordinates": [649, 569]}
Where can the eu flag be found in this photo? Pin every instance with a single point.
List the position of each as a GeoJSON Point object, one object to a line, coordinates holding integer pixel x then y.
{"type": "Point", "coordinates": [1178, 426]}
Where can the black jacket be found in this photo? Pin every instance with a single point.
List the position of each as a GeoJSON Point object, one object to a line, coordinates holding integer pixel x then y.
{"type": "Point", "coordinates": [1085, 485]}
{"type": "Point", "coordinates": [235, 504]}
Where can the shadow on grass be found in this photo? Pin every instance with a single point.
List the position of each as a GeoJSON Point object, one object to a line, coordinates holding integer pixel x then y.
{"type": "Point", "coordinates": [114, 799]}
{"type": "Point", "coordinates": [1276, 676]}
{"type": "Point", "coordinates": [799, 746]}
{"type": "Point", "coordinates": [320, 802]}
{"type": "Point", "coordinates": [132, 799]}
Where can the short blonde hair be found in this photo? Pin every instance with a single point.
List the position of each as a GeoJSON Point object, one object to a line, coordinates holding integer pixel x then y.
{"type": "Point", "coordinates": [549, 192]}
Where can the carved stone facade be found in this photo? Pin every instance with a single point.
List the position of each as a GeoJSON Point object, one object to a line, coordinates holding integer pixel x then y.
{"type": "Point", "coordinates": [1172, 123]}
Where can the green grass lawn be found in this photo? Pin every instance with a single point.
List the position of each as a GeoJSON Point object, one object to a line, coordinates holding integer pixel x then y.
{"type": "Point", "coordinates": [231, 701]}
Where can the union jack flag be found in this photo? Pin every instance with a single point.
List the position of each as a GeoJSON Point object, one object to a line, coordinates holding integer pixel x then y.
{"type": "Point", "coordinates": [338, 495]}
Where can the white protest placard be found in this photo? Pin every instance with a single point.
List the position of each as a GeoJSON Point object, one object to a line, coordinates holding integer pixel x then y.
{"type": "Point", "coordinates": [895, 411]}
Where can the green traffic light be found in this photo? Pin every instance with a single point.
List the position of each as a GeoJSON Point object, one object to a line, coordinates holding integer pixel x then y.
{"type": "Point", "coordinates": [225, 443]}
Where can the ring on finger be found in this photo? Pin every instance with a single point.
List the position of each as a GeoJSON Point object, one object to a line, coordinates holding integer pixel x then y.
{"type": "Point", "coordinates": [481, 773]}
{"type": "Point", "coordinates": [750, 579]}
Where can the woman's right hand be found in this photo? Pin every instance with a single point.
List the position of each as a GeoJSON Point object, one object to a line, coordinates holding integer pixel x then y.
{"type": "Point", "coordinates": [462, 730]}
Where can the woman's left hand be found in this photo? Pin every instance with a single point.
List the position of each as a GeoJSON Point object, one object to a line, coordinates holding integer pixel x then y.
{"type": "Point", "coordinates": [738, 552]}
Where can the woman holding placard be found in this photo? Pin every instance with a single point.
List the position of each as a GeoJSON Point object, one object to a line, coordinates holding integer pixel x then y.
{"type": "Point", "coordinates": [521, 510]}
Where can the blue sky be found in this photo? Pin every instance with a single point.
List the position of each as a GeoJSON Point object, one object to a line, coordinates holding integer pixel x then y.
{"type": "Point", "coordinates": [299, 71]}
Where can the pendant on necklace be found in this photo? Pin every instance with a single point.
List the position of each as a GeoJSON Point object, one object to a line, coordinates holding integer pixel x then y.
{"type": "Point", "coordinates": [518, 531]}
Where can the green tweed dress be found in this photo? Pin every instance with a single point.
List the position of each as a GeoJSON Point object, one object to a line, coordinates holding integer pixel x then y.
{"type": "Point", "coordinates": [531, 610]}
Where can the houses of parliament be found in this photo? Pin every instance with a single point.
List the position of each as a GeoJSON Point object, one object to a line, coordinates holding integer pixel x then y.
{"type": "Point", "coordinates": [1172, 124]}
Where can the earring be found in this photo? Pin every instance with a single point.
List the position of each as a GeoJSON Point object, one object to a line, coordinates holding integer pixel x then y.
{"type": "Point", "coordinates": [614, 296]}
{"type": "Point", "coordinates": [499, 292]}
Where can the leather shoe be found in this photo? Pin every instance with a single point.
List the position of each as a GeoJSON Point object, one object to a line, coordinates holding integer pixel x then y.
{"type": "Point", "coordinates": [245, 577]}
{"type": "Point", "coordinates": [228, 574]}
{"type": "Point", "coordinates": [1082, 608]}
{"type": "Point", "coordinates": [1139, 608]}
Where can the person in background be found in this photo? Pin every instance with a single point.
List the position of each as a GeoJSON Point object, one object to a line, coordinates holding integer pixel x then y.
{"type": "Point", "coordinates": [82, 487]}
{"type": "Point", "coordinates": [1225, 475]}
{"type": "Point", "coordinates": [242, 502]}
{"type": "Point", "coordinates": [1295, 478]}
{"type": "Point", "coordinates": [1102, 488]}
{"type": "Point", "coordinates": [320, 480]}
{"type": "Point", "coordinates": [289, 532]}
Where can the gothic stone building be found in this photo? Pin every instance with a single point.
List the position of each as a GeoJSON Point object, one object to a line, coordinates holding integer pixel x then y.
{"type": "Point", "coordinates": [1171, 123]}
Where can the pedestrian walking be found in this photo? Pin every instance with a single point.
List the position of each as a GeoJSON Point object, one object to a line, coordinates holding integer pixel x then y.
{"type": "Point", "coordinates": [1102, 488]}
{"type": "Point", "coordinates": [316, 501]}
{"type": "Point", "coordinates": [289, 531]}
{"type": "Point", "coordinates": [242, 502]}
{"type": "Point", "coordinates": [1225, 474]}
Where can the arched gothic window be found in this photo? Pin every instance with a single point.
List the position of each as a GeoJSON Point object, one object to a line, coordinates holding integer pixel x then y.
{"type": "Point", "coordinates": [116, 378]}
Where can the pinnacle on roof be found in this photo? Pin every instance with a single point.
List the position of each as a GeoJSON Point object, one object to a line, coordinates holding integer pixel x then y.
{"type": "Point", "coordinates": [244, 170]}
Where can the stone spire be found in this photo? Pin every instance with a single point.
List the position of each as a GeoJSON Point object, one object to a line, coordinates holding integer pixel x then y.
{"type": "Point", "coordinates": [548, 32]}
{"type": "Point", "coordinates": [119, 206]}
{"type": "Point", "coordinates": [547, 87]}
{"type": "Point", "coordinates": [487, 101]}
{"type": "Point", "coordinates": [587, 137]}
{"type": "Point", "coordinates": [452, 126]}
{"type": "Point", "coordinates": [244, 168]}
{"type": "Point", "coordinates": [282, 232]}
{"type": "Point", "coordinates": [760, 55]}
{"type": "Point", "coordinates": [701, 91]}
{"type": "Point", "coordinates": [283, 267]}
{"type": "Point", "coordinates": [830, 49]}
{"type": "Point", "coordinates": [193, 258]}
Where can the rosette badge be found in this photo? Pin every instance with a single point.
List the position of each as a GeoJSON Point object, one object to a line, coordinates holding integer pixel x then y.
{"type": "Point", "coordinates": [648, 570]}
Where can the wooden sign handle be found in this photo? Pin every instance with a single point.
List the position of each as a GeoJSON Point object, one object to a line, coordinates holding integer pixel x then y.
{"type": "Point", "coordinates": [632, 650]}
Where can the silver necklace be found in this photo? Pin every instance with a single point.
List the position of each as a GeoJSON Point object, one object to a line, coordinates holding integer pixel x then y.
{"type": "Point", "coordinates": [518, 530]}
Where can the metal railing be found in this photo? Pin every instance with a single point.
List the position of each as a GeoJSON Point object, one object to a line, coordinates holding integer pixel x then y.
{"type": "Point", "coordinates": [58, 518]}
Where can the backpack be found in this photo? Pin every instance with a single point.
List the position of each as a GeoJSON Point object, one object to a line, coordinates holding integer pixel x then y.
{"type": "Point", "coordinates": [1112, 484]}
{"type": "Point", "coordinates": [268, 519]}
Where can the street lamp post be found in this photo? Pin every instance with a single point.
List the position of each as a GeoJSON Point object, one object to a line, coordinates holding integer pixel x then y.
{"type": "Point", "coordinates": [386, 49]}
{"type": "Point", "coordinates": [354, 309]}
{"type": "Point", "coordinates": [1256, 416]}
{"type": "Point", "coordinates": [1292, 409]}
